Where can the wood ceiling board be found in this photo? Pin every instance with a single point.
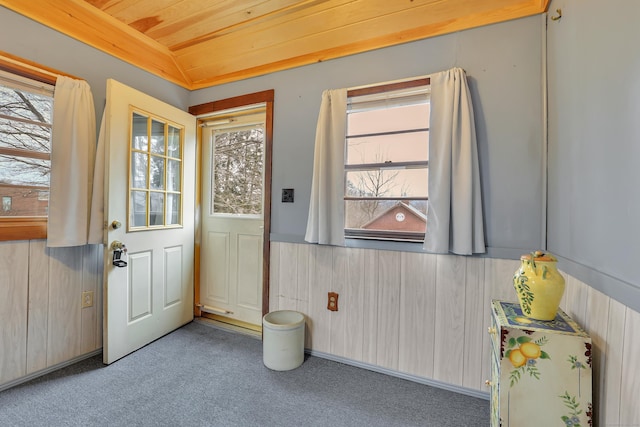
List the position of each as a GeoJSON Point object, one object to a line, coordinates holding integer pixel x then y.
{"type": "Point", "coordinates": [78, 19]}
{"type": "Point", "coordinates": [373, 30]}
{"type": "Point", "coordinates": [319, 29]}
{"type": "Point", "coordinates": [134, 10]}
{"type": "Point", "coordinates": [275, 35]}
{"type": "Point", "coordinates": [179, 33]}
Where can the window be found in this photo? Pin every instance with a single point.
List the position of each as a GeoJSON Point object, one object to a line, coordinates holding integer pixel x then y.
{"type": "Point", "coordinates": [26, 108]}
{"type": "Point", "coordinates": [155, 184]}
{"type": "Point", "coordinates": [386, 161]}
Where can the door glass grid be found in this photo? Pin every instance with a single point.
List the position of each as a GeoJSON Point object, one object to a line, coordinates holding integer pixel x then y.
{"type": "Point", "coordinates": [155, 180]}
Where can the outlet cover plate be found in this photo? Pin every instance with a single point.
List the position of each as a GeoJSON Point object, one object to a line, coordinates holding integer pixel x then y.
{"type": "Point", "coordinates": [332, 304]}
{"type": "Point", "coordinates": [87, 299]}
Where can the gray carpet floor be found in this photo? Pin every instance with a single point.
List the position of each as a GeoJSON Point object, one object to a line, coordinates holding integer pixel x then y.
{"type": "Point", "coordinates": [201, 375]}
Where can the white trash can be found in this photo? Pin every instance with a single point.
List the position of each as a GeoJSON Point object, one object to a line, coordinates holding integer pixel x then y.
{"type": "Point", "coordinates": [283, 340]}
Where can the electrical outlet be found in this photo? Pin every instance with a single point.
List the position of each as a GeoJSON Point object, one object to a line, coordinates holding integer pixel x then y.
{"type": "Point", "coordinates": [87, 299]}
{"type": "Point", "coordinates": [332, 304]}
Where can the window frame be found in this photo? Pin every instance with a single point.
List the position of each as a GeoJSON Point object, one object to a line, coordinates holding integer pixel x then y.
{"type": "Point", "coordinates": [26, 227]}
{"type": "Point", "coordinates": [384, 235]}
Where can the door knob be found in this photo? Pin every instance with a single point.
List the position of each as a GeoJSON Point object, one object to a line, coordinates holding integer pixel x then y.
{"type": "Point", "coordinates": [118, 246]}
{"type": "Point", "coordinates": [115, 224]}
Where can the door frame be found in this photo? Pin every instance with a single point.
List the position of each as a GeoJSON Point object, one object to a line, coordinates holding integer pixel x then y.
{"type": "Point", "coordinates": [208, 108]}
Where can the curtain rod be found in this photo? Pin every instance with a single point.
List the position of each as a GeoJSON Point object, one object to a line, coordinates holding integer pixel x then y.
{"type": "Point", "coordinates": [35, 71]}
{"type": "Point", "coordinates": [408, 79]}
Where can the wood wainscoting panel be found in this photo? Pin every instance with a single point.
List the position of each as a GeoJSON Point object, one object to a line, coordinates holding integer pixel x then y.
{"type": "Point", "coordinates": [596, 323]}
{"type": "Point", "coordinates": [630, 390]}
{"type": "Point", "coordinates": [92, 268]}
{"type": "Point", "coordinates": [614, 360]}
{"type": "Point", "coordinates": [338, 324]}
{"type": "Point", "coordinates": [389, 264]}
{"type": "Point", "coordinates": [351, 302]}
{"type": "Point", "coordinates": [473, 324]}
{"type": "Point", "coordinates": [320, 274]}
{"type": "Point", "coordinates": [65, 293]}
{"type": "Point", "coordinates": [449, 326]}
{"type": "Point", "coordinates": [287, 283]}
{"type": "Point", "coordinates": [42, 323]}
{"type": "Point", "coordinates": [417, 309]}
{"type": "Point", "coordinates": [38, 306]}
{"type": "Point", "coordinates": [370, 308]}
{"type": "Point", "coordinates": [301, 282]}
{"type": "Point", "coordinates": [575, 298]}
{"type": "Point", "coordinates": [14, 265]}
{"type": "Point", "coordinates": [274, 271]}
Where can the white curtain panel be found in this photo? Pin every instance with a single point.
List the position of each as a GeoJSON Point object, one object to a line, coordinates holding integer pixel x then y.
{"type": "Point", "coordinates": [96, 221]}
{"type": "Point", "coordinates": [73, 144]}
{"type": "Point", "coordinates": [454, 217]}
{"type": "Point", "coordinates": [325, 224]}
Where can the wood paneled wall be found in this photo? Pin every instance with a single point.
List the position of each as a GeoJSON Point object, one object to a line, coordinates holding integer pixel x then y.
{"type": "Point", "coordinates": [428, 315]}
{"type": "Point", "coordinates": [422, 315]}
{"type": "Point", "coordinates": [42, 322]}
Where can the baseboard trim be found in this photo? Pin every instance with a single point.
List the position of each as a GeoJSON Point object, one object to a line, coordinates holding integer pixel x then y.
{"type": "Point", "coordinates": [403, 375]}
{"type": "Point", "coordinates": [48, 370]}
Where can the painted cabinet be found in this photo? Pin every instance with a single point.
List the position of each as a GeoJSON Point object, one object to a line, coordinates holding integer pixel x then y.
{"type": "Point", "coordinates": [541, 370]}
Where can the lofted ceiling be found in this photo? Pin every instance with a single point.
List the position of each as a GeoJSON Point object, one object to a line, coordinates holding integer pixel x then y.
{"type": "Point", "coordinates": [202, 43]}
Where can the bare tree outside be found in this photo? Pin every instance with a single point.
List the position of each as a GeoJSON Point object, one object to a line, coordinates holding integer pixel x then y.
{"type": "Point", "coordinates": [237, 166]}
{"type": "Point", "coordinates": [25, 147]}
{"type": "Point", "coordinates": [25, 126]}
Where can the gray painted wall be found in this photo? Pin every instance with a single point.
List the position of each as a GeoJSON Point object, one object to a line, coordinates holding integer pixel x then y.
{"type": "Point", "coordinates": [594, 144]}
{"type": "Point", "coordinates": [503, 63]}
{"type": "Point", "coordinates": [23, 37]}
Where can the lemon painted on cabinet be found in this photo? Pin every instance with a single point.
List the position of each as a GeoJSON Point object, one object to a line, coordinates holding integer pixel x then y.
{"type": "Point", "coordinates": [541, 370]}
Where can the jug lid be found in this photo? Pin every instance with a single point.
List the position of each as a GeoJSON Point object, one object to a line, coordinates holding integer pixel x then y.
{"type": "Point", "coordinates": [539, 256]}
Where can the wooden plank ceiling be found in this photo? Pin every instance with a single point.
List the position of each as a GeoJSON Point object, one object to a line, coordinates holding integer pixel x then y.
{"type": "Point", "coordinates": [202, 43]}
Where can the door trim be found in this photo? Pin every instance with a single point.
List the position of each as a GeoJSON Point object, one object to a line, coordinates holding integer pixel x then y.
{"type": "Point", "coordinates": [265, 97]}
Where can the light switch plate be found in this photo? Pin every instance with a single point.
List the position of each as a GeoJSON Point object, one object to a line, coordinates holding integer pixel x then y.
{"type": "Point", "coordinates": [287, 195]}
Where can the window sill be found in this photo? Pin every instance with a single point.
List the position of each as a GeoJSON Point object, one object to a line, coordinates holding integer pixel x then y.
{"type": "Point", "coordinates": [389, 245]}
{"type": "Point", "coordinates": [22, 229]}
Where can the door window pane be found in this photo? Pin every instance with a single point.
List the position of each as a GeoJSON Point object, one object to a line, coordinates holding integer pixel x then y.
{"type": "Point", "coordinates": [156, 208]}
{"type": "Point", "coordinates": [237, 164]}
{"type": "Point", "coordinates": [173, 208]}
{"type": "Point", "coordinates": [139, 134]}
{"type": "Point", "coordinates": [139, 170]}
{"type": "Point", "coordinates": [138, 209]}
{"type": "Point", "coordinates": [157, 173]}
{"type": "Point", "coordinates": [173, 175]}
{"type": "Point", "coordinates": [173, 146]}
{"type": "Point", "coordinates": [155, 181]}
{"type": "Point", "coordinates": [157, 137]}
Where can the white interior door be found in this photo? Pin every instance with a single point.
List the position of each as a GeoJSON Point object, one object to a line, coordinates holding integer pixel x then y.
{"type": "Point", "coordinates": [149, 208]}
{"type": "Point", "coordinates": [233, 215]}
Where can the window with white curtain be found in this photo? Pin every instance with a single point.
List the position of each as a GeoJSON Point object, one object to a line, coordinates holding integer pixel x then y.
{"type": "Point", "coordinates": [26, 107]}
{"type": "Point", "coordinates": [387, 160]}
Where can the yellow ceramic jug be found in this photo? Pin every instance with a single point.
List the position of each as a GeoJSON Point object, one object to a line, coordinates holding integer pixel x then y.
{"type": "Point", "coordinates": [539, 285]}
